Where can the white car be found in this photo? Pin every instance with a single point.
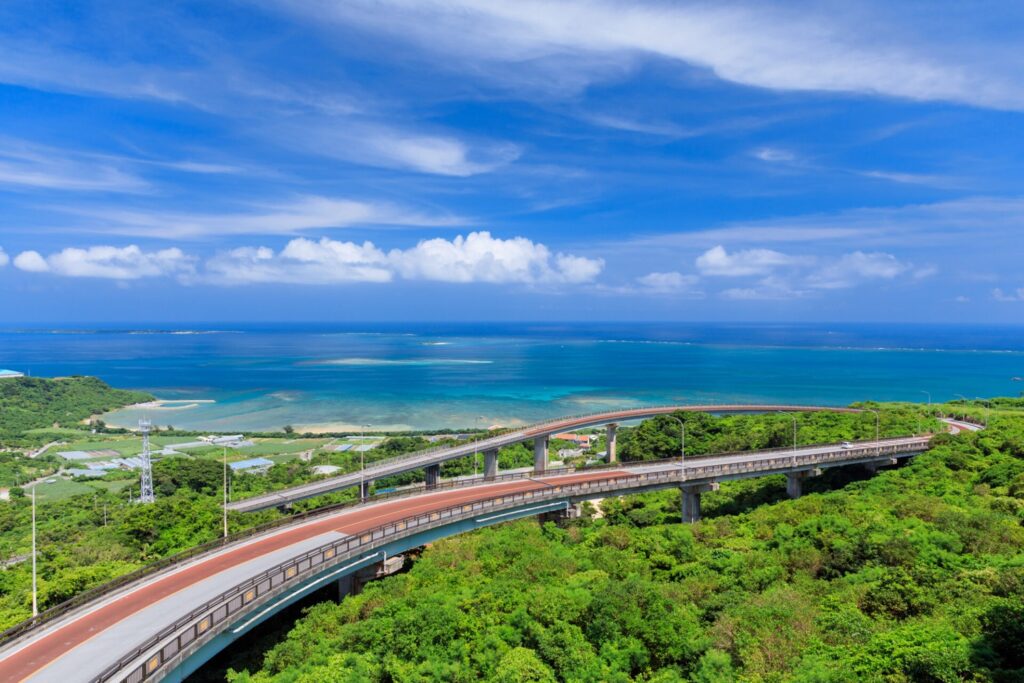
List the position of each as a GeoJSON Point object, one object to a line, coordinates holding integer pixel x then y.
{"type": "Point", "coordinates": [846, 444]}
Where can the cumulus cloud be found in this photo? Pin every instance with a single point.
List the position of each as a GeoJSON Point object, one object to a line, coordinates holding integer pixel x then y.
{"type": "Point", "coordinates": [115, 263]}
{"type": "Point", "coordinates": [31, 261]}
{"type": "Point", "coordinates": [477, 257]}
{"type": "Point", "coordinates": [717, 261]}
{"type": "Point", "coordinates": [302, 261]}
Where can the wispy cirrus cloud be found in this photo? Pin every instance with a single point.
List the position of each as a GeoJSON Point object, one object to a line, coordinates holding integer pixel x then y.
{"type": "Point", "coordinates": [290, 217]}
{"type": "Point", "coordinates": [26, 166]}
{"type": "Point", "coordinates": [769, 46]}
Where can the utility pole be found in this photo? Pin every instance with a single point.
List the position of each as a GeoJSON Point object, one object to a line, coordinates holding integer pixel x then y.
{"type": "Point", "coordinates": [35, 590]}
{"type": "Point", "coordinates": [362, 463]}
{"type": "Point", "coordinates": [146, 489]}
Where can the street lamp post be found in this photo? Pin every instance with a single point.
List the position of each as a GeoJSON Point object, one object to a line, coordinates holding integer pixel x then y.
{"type": "Point", "coordinates": [965, 400]}
{"type": "Point", "coordinates": [793, 417]}
{"type": "Point", "coordinates": [225, 506]}
{"type": "Point", "coordinates": [878, 443]}
{"type": "Point", "coordinates": [682, 446]}
{"type": "Point", "coordinates": [362, 463]}
{"type": "Point", "coordinates": [35, 587]}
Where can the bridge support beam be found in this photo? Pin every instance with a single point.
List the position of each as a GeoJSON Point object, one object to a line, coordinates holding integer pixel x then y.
{"type": "Point", "coordinates": [540, 455]}
{"type": "Point", "coordinates": [560, 517]}
{"type": "Point", "coordinates": [364, 490]}
{"type": "Point", "coordinates": [691, 500]}
{"type": "Point", "coordinates": [490, 464]}
{"type": "Point", "coordinates": [433, 473]}
{"type": "Point", "coordinates": [352, 584]}
{"type": "Point", "coordinates": [794, 481]}
{"type": "Point", "coordinates": [610, 431]}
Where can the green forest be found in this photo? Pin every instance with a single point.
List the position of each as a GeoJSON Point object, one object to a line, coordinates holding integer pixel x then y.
{"type": "Point", "coordinates": [913, 574]}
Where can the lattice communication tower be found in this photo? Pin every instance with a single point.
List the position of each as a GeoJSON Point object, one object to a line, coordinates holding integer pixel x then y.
{"type": "Point", "coordinates": [146, 491]}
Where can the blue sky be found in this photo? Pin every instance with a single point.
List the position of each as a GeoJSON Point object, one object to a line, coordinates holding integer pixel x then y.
{"type": "Point", "coordinates": [461, 159]}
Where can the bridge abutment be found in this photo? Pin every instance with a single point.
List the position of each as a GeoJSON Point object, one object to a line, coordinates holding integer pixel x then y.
{"type": "Point", "coordinates": [433, 476]}
{"type": "Point", "coordinates": [691, 500]}
{"type": "Point", "coordinates": [491, 464]}
{"type": "Point", "coordinates": [610, 438]}
{"type": "Point", "coordinates": [540, 455]}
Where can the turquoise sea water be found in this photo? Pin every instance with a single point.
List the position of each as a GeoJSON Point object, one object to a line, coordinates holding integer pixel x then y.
{"type": "Point", "coordinates": [434, 376]}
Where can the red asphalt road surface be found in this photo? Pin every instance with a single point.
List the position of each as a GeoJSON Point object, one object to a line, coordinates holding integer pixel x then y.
{"type": "Point", "coordinates": [37, 655]}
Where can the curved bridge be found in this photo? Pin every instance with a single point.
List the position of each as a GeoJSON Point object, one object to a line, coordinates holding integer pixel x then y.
{"type": "Point", "coordinates": [431, 459]}
{"type": "Point", "coordinates": [165, 624]}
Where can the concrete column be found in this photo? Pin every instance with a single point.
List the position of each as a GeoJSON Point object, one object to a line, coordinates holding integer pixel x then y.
{"type": "Point", "coordinates": [540, 455]}
{"type": "Point", "coordinates": [794, 481]}
{"type": "Point", "coordinates": [794, 484]}
{"type": "Point", "coordinates": [433, 475]}
{"type": "Point", "coordinates": [490, 464]}
{"type": "Point", "coordinates": [691, 500]}
{"type": "Point", "coordinates": [346, 587]}
{"type": "Point", "coordinates": [365, 490]}
{"type": "Point", "coordinates": [610, 438]}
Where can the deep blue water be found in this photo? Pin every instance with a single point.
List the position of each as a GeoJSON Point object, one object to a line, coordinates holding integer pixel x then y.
{"type": "Point", "coordinates": [431, 376]}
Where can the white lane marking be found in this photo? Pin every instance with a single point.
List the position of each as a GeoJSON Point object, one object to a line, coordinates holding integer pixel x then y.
{"type": "Point", "coordinates": [275, 605]}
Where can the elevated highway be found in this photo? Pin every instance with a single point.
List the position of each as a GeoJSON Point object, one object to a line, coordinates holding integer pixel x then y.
{"type": "Point", "coordinates": [165, 623]}
{"type": "Point", "coordinates": [431, 459]}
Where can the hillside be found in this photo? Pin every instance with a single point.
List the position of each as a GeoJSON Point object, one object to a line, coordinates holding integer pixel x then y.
{"type": "Point", "coordinates": [34, 402]}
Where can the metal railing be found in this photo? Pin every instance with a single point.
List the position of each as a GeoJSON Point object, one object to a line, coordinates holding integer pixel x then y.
{"type": "Point", "coordinates": [200, 625]}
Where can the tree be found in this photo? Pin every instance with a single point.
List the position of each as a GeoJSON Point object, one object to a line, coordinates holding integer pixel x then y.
{"type": "Point", "coordinates": [522, 665]}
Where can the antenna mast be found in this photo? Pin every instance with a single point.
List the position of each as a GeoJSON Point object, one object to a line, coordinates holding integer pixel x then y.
{"type": "Point", "coordinates": [146, 490]}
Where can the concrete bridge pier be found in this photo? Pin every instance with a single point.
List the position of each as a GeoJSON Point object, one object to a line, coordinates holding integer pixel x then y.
{"type": "Point", "coordinates": [875, 464]}
{"type": "Point", "coordinates": [364, 490]}
{"type": "Point", "coordinates": [691, 500]}
{"type": "Point", "coordinates": [352, 584]}
{"type": "Point", "coordinates": [561, 516]}
{"type": "Point", "coordinates": [540, 454]}
{"type": "Point", "coordinates": [433, 477]}
{"type": "Point", "coordinates": [611, 441]}
{"type": "Point", "coordinates": [794, 481]}
{"type": "Point", "coordinates": [491, 464]}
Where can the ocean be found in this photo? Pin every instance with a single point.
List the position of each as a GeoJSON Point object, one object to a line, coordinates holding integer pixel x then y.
{"type": "Point", "coordinates": [433, 376]}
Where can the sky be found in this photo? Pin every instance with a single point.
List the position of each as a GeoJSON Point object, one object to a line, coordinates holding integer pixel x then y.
{"type": "Point", "coordinates": [361, 160]}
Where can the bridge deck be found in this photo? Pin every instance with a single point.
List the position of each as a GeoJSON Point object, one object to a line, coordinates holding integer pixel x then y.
{"type": "Point", "coordinates": [84, 644]}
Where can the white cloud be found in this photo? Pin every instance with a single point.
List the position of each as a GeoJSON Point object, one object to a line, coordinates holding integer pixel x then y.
{"type": "Point", "coordinates": [115, 263]}
{"type": "Point", "coordinates": [302, 261]}
{"type": "Point", "coordinates": [4, 258]}
{"type": "Point", "coordinates": [774, 155]}
{"type": "Point", "coordinates": [477, 257]}
{"type": "Point", "coordinates": [768, 288]}
{"type": "Point", "coordinates": [31, 261]}
{"type": "Point", "coordinates": [833, 48]}
{"type": "Point", "coordinates": [853, 268]}
{"type": "Point", "coordinates": [672, 282]}
{"type": "Point", "coordinates": [287, 218]}
{"type": "Point", "coordinates": [27, 165]}
{"type": "Point", "coordinates": [718, 261]}
{"type": "Point", "coordinates": [1000, 295]}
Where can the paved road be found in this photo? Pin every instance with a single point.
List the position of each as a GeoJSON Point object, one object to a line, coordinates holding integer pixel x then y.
{"type": "Point", "coordinates": [81, 646]}
{"type": "Point", "coordinates": [434, 456]}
